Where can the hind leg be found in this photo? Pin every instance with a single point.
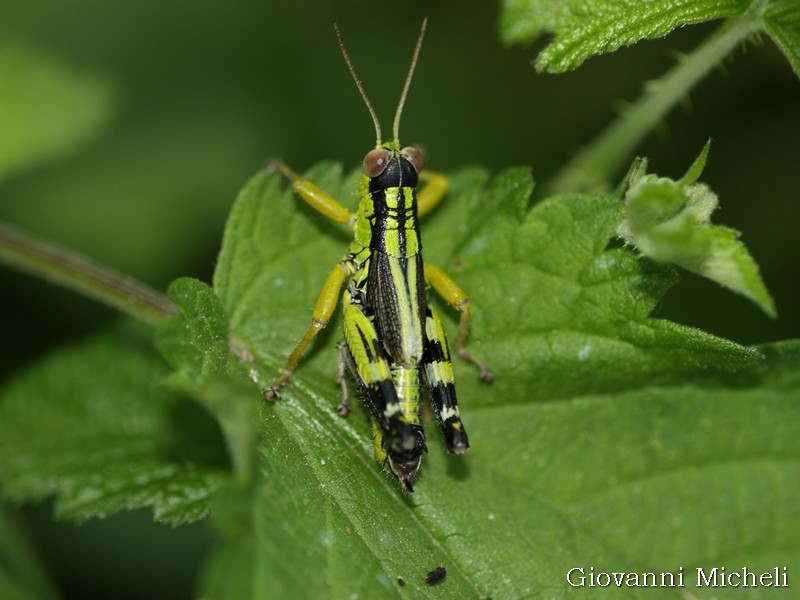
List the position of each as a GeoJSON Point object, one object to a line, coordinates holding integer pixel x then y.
{"type": "Point", "coordinates": [438, 370]}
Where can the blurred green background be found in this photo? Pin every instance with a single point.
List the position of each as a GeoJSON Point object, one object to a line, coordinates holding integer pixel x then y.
{"type": "Point", "coordinates": [204, 92]}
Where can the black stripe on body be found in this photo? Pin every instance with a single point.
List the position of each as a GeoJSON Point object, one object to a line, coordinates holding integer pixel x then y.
{"type": "Point", "coordinates": [394, 224]}
{"type": "Point", "coordinates": [367, 343]}
{"type": "Point", "coordinates": [398, 295]}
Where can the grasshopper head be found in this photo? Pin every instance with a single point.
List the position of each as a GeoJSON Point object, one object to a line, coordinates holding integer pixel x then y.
{"type": "Point", "coordinates": [390, 166]}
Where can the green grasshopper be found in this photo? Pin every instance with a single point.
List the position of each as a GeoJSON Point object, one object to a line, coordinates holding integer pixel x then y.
{"type": "Point", "coordinates": [395, 345]}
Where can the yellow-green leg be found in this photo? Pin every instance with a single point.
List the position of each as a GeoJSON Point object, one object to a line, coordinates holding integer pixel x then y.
{"type": "Point", "coordinates": [316, 197]}
{"type": "Point", "coordinates": [455, 297]}
{"type": "Point", "coordinates": [326, 205]}
{"type": "Point", "coordinates": [323, 309]}
{"type": "Point", "coordinates": [436, 186]}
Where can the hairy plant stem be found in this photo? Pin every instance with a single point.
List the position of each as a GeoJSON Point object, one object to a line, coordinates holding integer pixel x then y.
{"type": "Point", "coordinates": [593, 167]}
{"type": "Point", "coordinates": [20, 250]}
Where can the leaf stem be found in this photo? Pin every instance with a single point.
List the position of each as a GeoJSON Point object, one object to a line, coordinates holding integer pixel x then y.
{"type": "Point", "coordinates": [592, 168]}
{"type": "Point", "coordinates": [22, 251]}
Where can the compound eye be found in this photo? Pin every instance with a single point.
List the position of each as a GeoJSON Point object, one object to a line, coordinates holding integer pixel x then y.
{"type": "Point", "coordinates": [414, 156]}
{"type": "Point", "coordinates": [375, 162]}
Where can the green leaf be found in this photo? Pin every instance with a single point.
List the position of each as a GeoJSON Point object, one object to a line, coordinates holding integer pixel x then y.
{"type": "Point", "coordinates": [88, 425]}
{"type": "Point", "coordinates": [782, 21]}
{"type": "Point", "coordinates": [669, 221]}
{"type": "Point", "coordinates": [564, 321]}
{"type": "Point", "coordinates": [584, 28]}
{"type": "Point", "coordinates": [46, 109]}
{"type": "Point", "coordinates": [197, 344]}
{"type": "Point", "coordinates": [22, 576]}
{"type": "Point", "coordinates": [695, 474]}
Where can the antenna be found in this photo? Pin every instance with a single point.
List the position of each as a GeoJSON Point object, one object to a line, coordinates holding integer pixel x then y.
{"type": "Point", "coordinates": [396, 125]}
{"type": "Point", "coordinates": [361, 87]}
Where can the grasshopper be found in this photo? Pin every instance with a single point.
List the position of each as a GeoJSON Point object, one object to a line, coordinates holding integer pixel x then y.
{"type": "Point", "coordinates": [395, 345]}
